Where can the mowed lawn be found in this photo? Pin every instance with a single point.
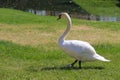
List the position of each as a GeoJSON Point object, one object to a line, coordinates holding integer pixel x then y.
{"type": "Point", "coordinates": [29, 50]}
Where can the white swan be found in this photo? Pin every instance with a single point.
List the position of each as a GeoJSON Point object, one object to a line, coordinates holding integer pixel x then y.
{"type": "Point", "coordinates": [80, 50]}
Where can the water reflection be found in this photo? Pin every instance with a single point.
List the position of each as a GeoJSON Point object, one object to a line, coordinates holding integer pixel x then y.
{"type": "Point", "coordinates": [76, 15]}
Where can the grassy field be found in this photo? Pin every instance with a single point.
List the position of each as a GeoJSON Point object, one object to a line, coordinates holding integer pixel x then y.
{"type": "Point", "coordinates": [29, 50]}
{"type": "Point", "coordinates": [100, 7]}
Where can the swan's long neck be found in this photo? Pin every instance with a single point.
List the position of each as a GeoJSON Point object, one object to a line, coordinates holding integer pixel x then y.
{"type": "Point", "coordinates": [69, 25]}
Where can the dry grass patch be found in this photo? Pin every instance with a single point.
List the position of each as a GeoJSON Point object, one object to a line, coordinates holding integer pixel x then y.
{"type": "Point", "coordinates": [32, 35]}
{"type": "Point", "coordinates": [94, 35]}
{"type": "Point", "coordinates": [24, 34]}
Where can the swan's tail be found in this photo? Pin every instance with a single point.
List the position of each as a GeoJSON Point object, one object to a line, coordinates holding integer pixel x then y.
{"type": "Point", "coordinates": [101, 58]}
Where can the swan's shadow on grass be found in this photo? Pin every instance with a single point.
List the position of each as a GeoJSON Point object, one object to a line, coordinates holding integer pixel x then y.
{"type": "Point", "coordinates": [38, 69]}
{"type": "Point", "coordinates": [72, 68]}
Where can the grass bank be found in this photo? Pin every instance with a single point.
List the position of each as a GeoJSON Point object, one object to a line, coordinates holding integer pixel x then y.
{"type": "Point", "coordinates": [100, 7]}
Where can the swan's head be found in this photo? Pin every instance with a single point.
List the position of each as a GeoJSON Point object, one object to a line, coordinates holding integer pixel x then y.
{"type": "Point", "coordinates": [62, 14]}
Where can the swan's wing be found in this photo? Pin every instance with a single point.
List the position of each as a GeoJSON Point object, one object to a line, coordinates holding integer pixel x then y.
{"type": "Point", "coordinates": [79, 46]}
{"type": "Point", "coordinates": [78, 49]}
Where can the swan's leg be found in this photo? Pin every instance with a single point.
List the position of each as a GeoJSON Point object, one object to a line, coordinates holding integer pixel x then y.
{"type": "Point", "coordinates": [74, 63]}
{"type": "Point", "coordinates": [71, 65]}
{"type": "Point", "coordinates": [80, 65]}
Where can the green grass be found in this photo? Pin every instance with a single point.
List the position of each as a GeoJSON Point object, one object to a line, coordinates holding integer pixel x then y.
{"type": "Point", "coordinates": [27, 63]}
{"type": "Point", "coordinates": [10, 16]}
{"type": "Point", "coordinates": [100, 7]}
{"type": "Point", "coordinates": [29, 50]}
{"type": "Point", "coordinates": [107, 25]}
{"type": "Point", "coordinates": [20, 17]}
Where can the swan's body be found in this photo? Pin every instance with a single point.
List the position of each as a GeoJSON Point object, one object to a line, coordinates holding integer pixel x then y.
{"type": "Point", "coordinates": [80, 50]}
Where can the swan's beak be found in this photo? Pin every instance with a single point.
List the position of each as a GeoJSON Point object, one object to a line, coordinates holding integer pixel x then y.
{"type": "Point", "coordinates": [59, 17]}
